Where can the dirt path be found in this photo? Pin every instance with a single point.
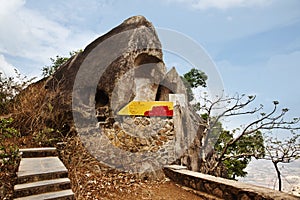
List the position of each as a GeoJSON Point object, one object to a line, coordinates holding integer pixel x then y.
{"type": "Point", "coordinates": [165, 191]}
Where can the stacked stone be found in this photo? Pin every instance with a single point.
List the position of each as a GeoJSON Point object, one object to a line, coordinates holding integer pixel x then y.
{"type": "Point", "coordinates": [139, 145]}
{"type": "Point", "coordinates": [141, 134]}
{"type": "Point", "coordinates": [220, 188]}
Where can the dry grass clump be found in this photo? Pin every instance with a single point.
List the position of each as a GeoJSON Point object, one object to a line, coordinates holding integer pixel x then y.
{"type": "Point", "coordinates": [44, 114]}
{"type": "Point", "coordinates": [30, 116]}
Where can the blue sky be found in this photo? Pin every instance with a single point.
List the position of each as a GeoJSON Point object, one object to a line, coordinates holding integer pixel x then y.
{"type": "Point", "coordinates": [254, 44]}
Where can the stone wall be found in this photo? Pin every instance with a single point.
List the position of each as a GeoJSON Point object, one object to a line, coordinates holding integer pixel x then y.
{"type": "Point", "coordinates": [220, 187]}
{"type": "Point", "coordinates": [139, 145]}
{"type": "Point", "coordinates": [142, 134]}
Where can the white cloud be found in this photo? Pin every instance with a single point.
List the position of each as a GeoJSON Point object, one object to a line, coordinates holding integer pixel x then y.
{"type": "Point", "coordinates": [29, 34]}
{"type": "Point", "coordinates": [221, 4]}
{"type": "Point", "coordinates": [10, 6]}
{"type": "Point", "coordinates": [227, 4]}
{"type": "Point", "coordinates": [6, 68]}
{"type": "Point", "coordinates": [26, 33]}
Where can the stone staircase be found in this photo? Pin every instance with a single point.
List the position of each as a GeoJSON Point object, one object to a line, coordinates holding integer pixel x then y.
{"type": "Point", "coordinates": [41, 175]}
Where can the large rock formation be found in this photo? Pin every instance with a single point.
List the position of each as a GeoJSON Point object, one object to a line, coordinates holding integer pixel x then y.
{"type": "Point", "coordinates": [121, 66]}
{"type": "Point", "coordinates": [121, 61]}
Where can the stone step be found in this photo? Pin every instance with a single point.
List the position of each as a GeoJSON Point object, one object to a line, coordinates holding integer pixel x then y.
{"type": "Point", "coordinates": [38, 152]}
{"type": "Point", "coordinates": [39, 187]}
{"type": "Point", "coordinates": [38, 169]}
{"type": "Point", "coordinates": [59, 195]}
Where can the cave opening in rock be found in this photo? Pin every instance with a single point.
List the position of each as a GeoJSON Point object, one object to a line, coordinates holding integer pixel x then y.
{"type": "Point", "coordinates": [163, 93]}
{"type": "Point", "coordinates": [101, 98]}
{"type": "Point", "coordinates": [145, 58]}
{"type": "Point", "coordinates": [101, 101]}
{"type": "Point", "coordinates": [145, 65]}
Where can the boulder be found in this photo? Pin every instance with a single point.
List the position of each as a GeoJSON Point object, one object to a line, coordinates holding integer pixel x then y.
{"type": "Point", "coordinates": [120, 61]}
{"type": "Point", "coordinates": [121, 66]}
{"type": "Point", "coordinates": [187, 123]}
{"type": "Point", "coordinates": [171, 84]}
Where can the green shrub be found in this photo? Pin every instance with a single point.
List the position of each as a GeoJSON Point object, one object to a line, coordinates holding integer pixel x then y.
{"type": "Point", "coordinates": [9, 152]}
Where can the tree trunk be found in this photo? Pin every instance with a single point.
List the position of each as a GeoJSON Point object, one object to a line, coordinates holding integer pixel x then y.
{"type": "Point", "coordinates": [278, 175]}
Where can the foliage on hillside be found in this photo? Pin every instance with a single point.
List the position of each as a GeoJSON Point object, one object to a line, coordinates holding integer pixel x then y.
{"type": "Point", "coordinates": [9, 157]}
{"type": "Point", "coordinates": [235, 149]}
{"type": "Point", "coordinates": [238, 156]}
{"type": "Point", "coordinates": [57, 62]}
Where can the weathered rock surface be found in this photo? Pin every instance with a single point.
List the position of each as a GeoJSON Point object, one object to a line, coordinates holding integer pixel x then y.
{"type": "Point", "coordinates": [124, 64]}
{"type": "Point", "coordinates": [121, 66]}
{"type": "Point", "coordinates": [186, 121]}
{"type": "Point", "coordinates": [171, 84]}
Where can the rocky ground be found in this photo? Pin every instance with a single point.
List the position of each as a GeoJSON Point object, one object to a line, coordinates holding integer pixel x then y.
{"type": "Point", "coordinates": [92, 180]}
{"type": "Point", "coordinates": [7, 181]}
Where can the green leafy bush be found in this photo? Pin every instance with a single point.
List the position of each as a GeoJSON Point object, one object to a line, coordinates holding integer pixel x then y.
{"type": "Point", "coordinates": [56, 63]}
{"type": "Point", "coordinates": [9, 152]}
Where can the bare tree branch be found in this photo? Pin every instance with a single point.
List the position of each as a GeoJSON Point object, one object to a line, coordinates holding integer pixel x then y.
{"type": "Point", "coordinates": [235, 106]}
{"type": "Point", "coordinates": [284, 151]}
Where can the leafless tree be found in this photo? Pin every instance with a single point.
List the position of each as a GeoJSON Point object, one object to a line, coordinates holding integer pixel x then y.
{"type": "Point", "coordinates": [238, 106]}
{"type": "Point", "coordinates": [282, 151]}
